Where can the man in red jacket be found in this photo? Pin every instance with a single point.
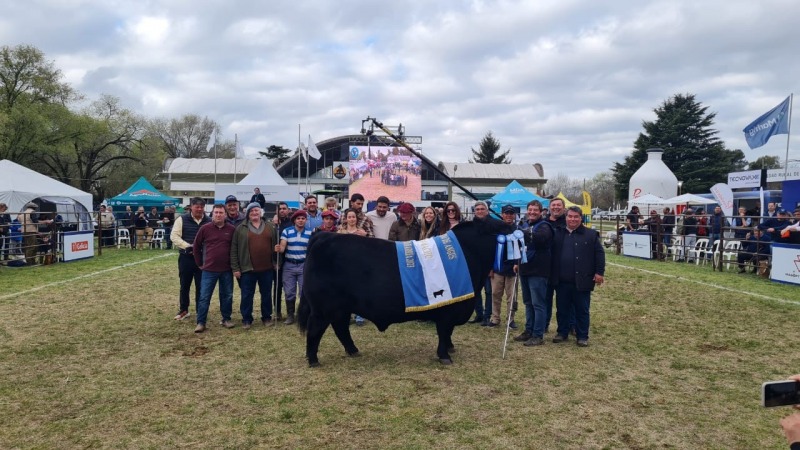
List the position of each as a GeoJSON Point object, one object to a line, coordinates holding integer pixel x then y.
{"type": "Point", "coordinates": [212, 253]}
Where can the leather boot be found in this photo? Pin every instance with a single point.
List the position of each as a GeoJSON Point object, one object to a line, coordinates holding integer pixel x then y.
{"type": "Point", "coordinates": [289, 313]}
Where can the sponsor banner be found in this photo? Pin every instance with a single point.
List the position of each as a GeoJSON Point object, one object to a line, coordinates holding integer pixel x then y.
{"type": "Point", "coordinates": [785, 263]}
{"type": "Point", "coordinates": [243, 192]}
{"type": "Point", "coordinates": [774, 175]}
{"type": "Point", "coordinates": [724, 196]}
{"type": "Point", "coordinates": [748, 179]}
{"type": "Point", "coordinates": [636, 245]}
{"type": "Point", "coordinates": [78, 245]}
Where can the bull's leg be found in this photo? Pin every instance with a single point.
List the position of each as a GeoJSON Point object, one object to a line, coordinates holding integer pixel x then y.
{"type": "Point", "coordinates": [341, 326]}
{"type": "Point", "coordinates": [444, 328]}
{"type": "Point", "coordinates": [316, 328]}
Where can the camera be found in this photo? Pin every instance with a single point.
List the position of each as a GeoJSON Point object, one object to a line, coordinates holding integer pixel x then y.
{"type": "Point", "coordinates": [780, 393]}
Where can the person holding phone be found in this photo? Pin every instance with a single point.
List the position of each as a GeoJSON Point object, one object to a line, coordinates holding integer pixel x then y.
{"type": "Point", "coordinates": [791, 424]}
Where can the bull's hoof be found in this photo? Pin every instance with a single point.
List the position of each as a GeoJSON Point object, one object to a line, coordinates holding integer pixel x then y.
{"type": "Point", "coordinates": [313, 364]}
{"type": "Point", "coordinates": [445, 361]}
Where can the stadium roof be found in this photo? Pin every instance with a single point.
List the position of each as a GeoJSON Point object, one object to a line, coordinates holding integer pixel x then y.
{"type": "Point", "coordinates": [206, 165]}
{"type": "Point", "coordinates": [465, 171]}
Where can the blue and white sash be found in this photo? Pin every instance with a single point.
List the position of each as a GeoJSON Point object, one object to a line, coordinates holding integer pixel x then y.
{"type": "Point", "coordinates": [433, 272]}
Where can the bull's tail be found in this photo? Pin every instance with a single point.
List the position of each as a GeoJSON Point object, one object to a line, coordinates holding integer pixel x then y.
{"type": "Point", "coordinates": [303, 313]}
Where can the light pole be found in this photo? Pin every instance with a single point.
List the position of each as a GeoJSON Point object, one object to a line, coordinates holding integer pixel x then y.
{"type": "Point", "coordinates": [680, 184]}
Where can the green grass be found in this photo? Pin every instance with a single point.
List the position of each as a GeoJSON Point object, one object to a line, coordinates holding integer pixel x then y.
{"type": "Point", "coordinates": [673, 363]}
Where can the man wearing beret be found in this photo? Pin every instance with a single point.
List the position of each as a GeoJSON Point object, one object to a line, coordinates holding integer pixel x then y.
{"type": "Point", "coordinates": [407, 228]}
{"type": "Point", "coordinates": [294, 244]}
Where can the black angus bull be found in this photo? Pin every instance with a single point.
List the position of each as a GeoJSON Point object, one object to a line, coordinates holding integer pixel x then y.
{"type": "Point", "coordinates": [348, 274]}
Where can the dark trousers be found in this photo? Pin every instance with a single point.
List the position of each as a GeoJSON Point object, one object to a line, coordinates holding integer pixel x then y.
{"type": "Point", "coordinates": [167, 240]}
{"type": "Point", "coordinates": [570, 298]}
{"type": "Point", "coordinates": [483, 308]}
{"type": "Point", "coordinates": [279, 281]}
{"type": "Point", "coordinates": [248, 283]}
{"type": "Point", "coordinates": [188, 272]}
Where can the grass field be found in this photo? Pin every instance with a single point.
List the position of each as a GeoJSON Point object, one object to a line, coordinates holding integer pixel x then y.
{"type": "Point", "coordinates": [675, 361]}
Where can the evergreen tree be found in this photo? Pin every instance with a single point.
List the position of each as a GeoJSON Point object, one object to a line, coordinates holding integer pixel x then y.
{"type": "Point", "coordinates": [691, 149]}
{"type": "Point", "coordinates": [487, 152]}
{"type": "Point", "coordinates": [276, 153]}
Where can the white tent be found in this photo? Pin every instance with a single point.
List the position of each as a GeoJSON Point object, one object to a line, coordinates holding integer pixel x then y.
{"type": "Point", "coordinates": [689, 199]}
{"type": "Point", "coordinates": [263, 175]}
{"type": "Point", "coordinates": [19, 185]}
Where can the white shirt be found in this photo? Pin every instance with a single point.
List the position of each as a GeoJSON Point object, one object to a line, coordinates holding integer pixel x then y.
{"type": "Point", "coordinates": [381, 225]}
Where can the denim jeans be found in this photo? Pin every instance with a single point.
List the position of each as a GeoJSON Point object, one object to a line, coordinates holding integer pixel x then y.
{"type": "Point", "coordinates": [247, 283]}
{"type": "Point", "coordinates": [483, 304]}
{"type": "Point", "coordinates": [568, 297]}
{"type": "Point", "coordinates": [207, 285]}
{"type": "Point", "coordinates": [292, 284]}
{"type": "Point", "coordinates": [536, 311]}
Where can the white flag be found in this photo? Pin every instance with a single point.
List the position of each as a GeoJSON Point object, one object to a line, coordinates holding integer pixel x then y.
{"type": "Point", "coordinates": [313, 151]}
{"type": "Point", "coordinates": [211, 142]}
{"type": "Point", "coordinates": [303, 151]}
{"type": "Point", "coordinates": [239, 152]}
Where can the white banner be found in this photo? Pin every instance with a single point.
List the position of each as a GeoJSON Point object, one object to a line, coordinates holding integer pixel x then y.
{"type": "Point", "coordinates": [636, 244]}
{"type": "Point", "coordinates": [724, 196]}
{"type": "Point", "coordinates": [748, 179]}
{"type": "Point", "coordinates": [774, 175]}
{"type": "Point", "coordinates": [78, 245]}
{"type": "Point", "coordinates": [785, 263]}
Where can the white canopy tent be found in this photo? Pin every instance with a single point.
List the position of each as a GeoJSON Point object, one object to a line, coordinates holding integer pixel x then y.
{"type": "Point", "coordinates": [689, 199]}
{"type": "Point", "coordinates": [263, 175]}
{"type": "Point", "coordinates": [19, 185]}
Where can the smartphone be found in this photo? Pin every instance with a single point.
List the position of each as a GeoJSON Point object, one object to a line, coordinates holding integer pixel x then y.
{"type": "Point", "coordinates": [780, 393]}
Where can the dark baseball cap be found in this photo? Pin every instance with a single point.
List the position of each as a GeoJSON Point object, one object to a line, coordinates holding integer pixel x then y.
{"type": "Point", "coordinates": [230, 198]}
{"type": "Point", "coordinates": [509, 209]}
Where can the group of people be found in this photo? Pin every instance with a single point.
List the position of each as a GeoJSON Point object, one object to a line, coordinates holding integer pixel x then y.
{"type": "Point", "coordinates": [755, 232]}
{"type": "Point", "coordinates": [141, 225]}
{"type": "Point", "coordinates": [30, 237]}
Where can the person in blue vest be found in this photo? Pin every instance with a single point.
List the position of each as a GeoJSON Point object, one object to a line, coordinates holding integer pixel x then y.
{"type": "Point", "coordinates": [183, 233]}
{"type": "Point", "coordinates": [294, 244]}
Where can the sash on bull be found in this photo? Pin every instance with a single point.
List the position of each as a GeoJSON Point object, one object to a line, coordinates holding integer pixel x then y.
{"type": "Point", "coordinates": [348, 274]}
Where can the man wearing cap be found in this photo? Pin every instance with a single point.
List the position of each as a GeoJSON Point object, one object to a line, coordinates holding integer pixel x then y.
{"type": "Point", "coordinates": [213, 256]}
{"type": "Point", "coordinates": [252, 249]}
{"type": "Point", "coordinates": [405, 229]}
{"type": "Point", "coordinates": [503, 280]}
{"type": "Point", "coordinates": [182, 237]}
{"type": "Point", "coordinates": [258, 197]}
{"type": "Point", "coordinates": [294, 243]}
{"type": "Point", "coordinates": [233, 216]}
{"type": "Point", "coordinates": [382, 219]}
{"type": "Point", "coordinates": [314, 214]}
{"type": "Point", "coordinates": [328, 222]}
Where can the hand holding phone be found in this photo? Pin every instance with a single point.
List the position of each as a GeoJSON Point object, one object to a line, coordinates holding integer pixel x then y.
{"type": "Point", "coordinates": [780, 393]}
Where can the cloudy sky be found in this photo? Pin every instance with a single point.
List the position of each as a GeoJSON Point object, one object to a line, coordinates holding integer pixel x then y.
{"type": "Point", "coordinates": [565, 83]}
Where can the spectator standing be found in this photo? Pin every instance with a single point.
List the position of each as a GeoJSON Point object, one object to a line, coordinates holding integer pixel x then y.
{"type": "Point", "coordinates": [503, 280]}
{"type": "Point", "coordinates": [328, 222]}
{"type": "Point", "coordinates": [183, 233]}
{"type": "Point", "coordinates": [213, 257]}
{"type": "Point", "coordinates": [429, 223]}
{"type": "Point", "coordinates": [140, 224]}
{"type": "Point", "coordinates": [258, 197]}
{"type": "Point", "coordinates": [128, 222]}
{"type": "Point", "coordinates": [741, 224]}
{"type": "Point", "coordinates": [252, 251]}
{"type": "Point", "coordinates": [580, 265]}
{"type": "Point", "coordinates": [452, 217]}
{"type": "Point", "coordinates": [364, 222]}
{"type": "Point", "coordinates": [232, 214]}
{"type": "Point", "coordinates": [716, 222]}
{"type": "Point", "coordinates": [653, 224]}
{"type": "Point", "coordinates": [667, 227]}
{"type": "Point", "coordinates": [483, 300]}
{"type": "Point", "coordinates": [282, 220]}
{"type": "Point", "coordinates": [632, 219]}
{"type": "Point", "coordinates": [689, 233]}
{"type": "Point", "coordinates": [28, 219]}
{"type": "Point", "coordinates": [314, 214]}
{"type": "Point", "coordinates": [539, 240]}
{"type": "Point", "coordinates": [383, 219]}
{"type": "Point", "coordinates": [556, 220]}
{"type": "Point", "coordinates": [107, 224]}
{"type": "Point", "coordinates": [405, 229]}
{"type": "Point", "coordinates": [294, 243]}
{"type": "Point", "coordinates": [5, 232]}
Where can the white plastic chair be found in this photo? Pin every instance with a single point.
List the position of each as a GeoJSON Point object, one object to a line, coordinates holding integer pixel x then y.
{"type": "Point", "coordinates": [730, 252]}
{"type": "Point", "coordinates": [714, 251]}
{"type": "Point", "coordinates": [123, 236]}
{"type": "Point", "coordinates": [677, 248]}
{"type": "Point", "coordinates": [700, 247]}
{"type": "Point", "coordinates": [158, 238]}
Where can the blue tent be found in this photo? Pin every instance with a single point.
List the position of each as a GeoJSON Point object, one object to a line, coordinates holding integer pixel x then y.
{"type": "Point", "coordinates": [142, 193]}
{"type": "Point", "coordinates": [515, 195]}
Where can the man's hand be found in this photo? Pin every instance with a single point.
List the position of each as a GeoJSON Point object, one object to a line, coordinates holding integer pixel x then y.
{"type": "Point", "coordinates": [598, 279]}
{"type": "Point", "coordinates": [237, 274]}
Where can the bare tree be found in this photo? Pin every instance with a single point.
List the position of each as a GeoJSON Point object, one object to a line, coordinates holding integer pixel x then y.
{"type": "Point", "coordinates": [570, 187]}
{"type": "Point", "coordinates": [187, 137]}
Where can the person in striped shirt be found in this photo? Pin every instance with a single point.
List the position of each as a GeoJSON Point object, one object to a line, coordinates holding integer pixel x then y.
{"type": "Point", "coordinates": [294, 243]}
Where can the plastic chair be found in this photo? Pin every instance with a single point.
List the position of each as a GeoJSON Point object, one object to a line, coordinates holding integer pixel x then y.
{"type": "Point", "coordinates": [123, 236]}
{"type": "Point", "coordinates": [700, 248]}
{"type": "Point", "coordinates": [158, 238]}
{"type": "Point", "coordinates": [675, 248]}
{"type": "Point", "coordinates": [730, 252]}
{"type": "Point", "coordinates": [714, 251]}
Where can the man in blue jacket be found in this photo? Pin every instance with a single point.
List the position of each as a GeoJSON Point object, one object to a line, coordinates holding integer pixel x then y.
{"type": "Point", "coordinates": [579, 265]}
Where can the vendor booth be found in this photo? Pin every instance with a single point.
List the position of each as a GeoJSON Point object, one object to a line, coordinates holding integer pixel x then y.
{"type": "Point", "coordinates": [142, 193]}
{"type": "Point", "coordinates": [517, 196]}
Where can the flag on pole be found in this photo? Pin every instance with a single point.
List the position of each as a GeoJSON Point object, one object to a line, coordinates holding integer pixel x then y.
{"type": "Point", "coordinates": [775, 121]}
{"type": "Point", "coordinates": [303, 151]}
{"type": "Point", "coordinates": [313, 151]}
{"type": "Point", "coordinates": [239, 151]}
{"type": "Point", "coordinates": [211, 141]}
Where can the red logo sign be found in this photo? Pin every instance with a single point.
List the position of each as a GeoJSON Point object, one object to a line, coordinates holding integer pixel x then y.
{"type": "Point", "coordinates": [143, 193]}
{"type": "Point", "coordinates": [637, 193]}
{"type": "Point", "coordinates": [80, 246]}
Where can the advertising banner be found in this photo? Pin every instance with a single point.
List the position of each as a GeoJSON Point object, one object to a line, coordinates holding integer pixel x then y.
{"type": "Point", "coordinates": [785, 263]}
{"type": "Point", "coordinates": [636, 245]}
{"type": "Point", "coordinates": [748, 179]}
{"type": "Point", "coordinates": [78, 245]}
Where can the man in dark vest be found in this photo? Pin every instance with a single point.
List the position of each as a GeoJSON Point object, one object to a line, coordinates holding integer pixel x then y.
{"type": "Point", "coordinates": [183, 233]}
